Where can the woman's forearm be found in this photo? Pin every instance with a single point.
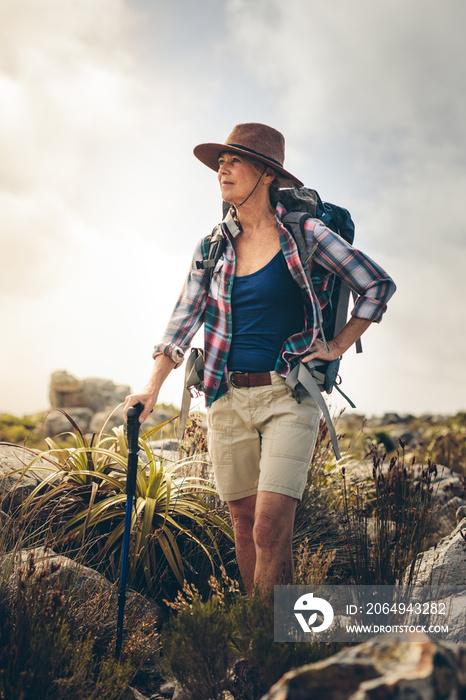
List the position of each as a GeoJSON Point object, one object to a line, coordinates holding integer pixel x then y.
{"type": "Point", "coordinates": [162, 367]}
{"type": "Point", "coordinates": [348, 335]}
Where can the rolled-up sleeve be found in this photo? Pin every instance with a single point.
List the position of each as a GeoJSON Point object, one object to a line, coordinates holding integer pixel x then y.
{"type": "Point", "coordinates": [371, 283]}
{"type": "Point", "coordinates": [187, 316]}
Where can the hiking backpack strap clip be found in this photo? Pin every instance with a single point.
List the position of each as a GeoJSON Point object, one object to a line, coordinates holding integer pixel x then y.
{"type": "Point", "coordinates": [216, 247]}
{"type": "Point", "coordinates": [217, 243]}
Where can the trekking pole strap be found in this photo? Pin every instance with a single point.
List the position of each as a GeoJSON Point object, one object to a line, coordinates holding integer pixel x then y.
{"type": "Point", "coordinates": [301, 375]}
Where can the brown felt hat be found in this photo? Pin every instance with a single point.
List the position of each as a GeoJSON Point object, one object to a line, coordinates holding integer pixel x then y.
{"type": "Point", "coordinates": [256, 140]}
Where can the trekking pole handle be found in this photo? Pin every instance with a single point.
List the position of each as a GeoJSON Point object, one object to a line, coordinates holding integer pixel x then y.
{"type": "Point", "coordinates": [132, 431]}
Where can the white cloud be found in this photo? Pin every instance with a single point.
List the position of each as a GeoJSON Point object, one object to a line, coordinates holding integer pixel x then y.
{"type": "Point", "coordinates": [101, 201]}
{"type": "Point", "coordinates": [357, 67]}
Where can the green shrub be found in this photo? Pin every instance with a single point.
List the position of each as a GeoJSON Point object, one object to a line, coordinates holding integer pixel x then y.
{"type": "Point", "coordinates": [263, 661]}
{"type": "Point", "coordinates": [55, 640]}
{"type": "Point", "coordinates": [20, 431]}
{"type": "Point", "coordinates": [387, 522]}
{"type": "Point", "coordinates": [317, 520]}
{"type": "Point", "coordinates": [227, 643]}
{"type": "Point", "coordinates": [449, 449]}
{"type": "Point", "coordinates": [197, 648]}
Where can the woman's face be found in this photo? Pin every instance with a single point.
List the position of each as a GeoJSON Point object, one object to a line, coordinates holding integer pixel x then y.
{"type": "Point", "coordinates": [237, 177]}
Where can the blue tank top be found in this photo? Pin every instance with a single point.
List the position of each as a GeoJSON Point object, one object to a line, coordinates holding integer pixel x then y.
{"type": "Point", "coordinates": [267, 308]}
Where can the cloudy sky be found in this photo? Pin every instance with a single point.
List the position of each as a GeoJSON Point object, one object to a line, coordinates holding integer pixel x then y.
{"type": "Point", "coordinates": [102, 201]}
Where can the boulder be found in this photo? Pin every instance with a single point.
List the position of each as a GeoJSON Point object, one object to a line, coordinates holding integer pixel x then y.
{"type": "Point", "coordinates": [80, 578]}
{"type": "Point", "coordinates": [111, 419]}
{"type": "Point", "coordinates": [446, 517]}
{"type": "Point", "coordinates": [381, 669]}
{"type": "Point", "coordinates": [96, 394]}
{"type": "Point", "coordinates": [15, 483]}
{"type": "Point", "coordinates": [66, 391]}
{"type": "Point", "coordinates": [56, 423]}
{"type": "Point", "coordinates": [103, 394]}
{"type": "Point", "coordinates": [445, 563]}
{"type": "Point", "coordinates": [114, 417]}
{"type": "Point", "coordinates": [447, 485]}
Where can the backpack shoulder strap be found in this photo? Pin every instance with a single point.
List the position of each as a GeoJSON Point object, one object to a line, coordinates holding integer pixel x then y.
{"type": "Point", "coordinates": [217, 244]}
{"type": "Point", "coordinates": [294, 221]}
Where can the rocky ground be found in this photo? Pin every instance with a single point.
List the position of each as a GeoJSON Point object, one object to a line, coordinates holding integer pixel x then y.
{"type": "Point", "coordinates": [385, 668]}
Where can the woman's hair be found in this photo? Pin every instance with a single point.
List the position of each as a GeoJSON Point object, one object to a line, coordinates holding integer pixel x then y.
{"type": "Point", "coordinates": [257, 164]}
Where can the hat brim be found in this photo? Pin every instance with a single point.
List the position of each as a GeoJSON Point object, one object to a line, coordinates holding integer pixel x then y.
{"type": "Point", "coordinates": [208, 153]}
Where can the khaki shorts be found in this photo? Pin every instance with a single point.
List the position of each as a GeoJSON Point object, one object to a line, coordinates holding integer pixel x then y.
{"type": "Point", "coordinates": [262, 439]}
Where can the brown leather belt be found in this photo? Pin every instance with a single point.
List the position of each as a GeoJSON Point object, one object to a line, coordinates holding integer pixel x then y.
{"type": "Point", "coordinates": [241, 380]}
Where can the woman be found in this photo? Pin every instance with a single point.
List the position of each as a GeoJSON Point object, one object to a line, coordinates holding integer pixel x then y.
{"type": "Point", "coordinates": [260, 319]}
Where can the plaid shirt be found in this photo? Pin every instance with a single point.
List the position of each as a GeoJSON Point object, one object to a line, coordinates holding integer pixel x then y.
{"type": "Point", "coordinates": [200, 303]}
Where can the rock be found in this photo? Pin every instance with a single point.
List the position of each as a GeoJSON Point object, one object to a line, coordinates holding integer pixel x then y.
{"type": "Point", "coordinates": [96, 394]}
{"type": "Point", "coordinates": [133, 693]}
{"type": "Point", "coordinates": [445, 563]}
{"type": "Point", "coordinates": [114, 417]}
{"type": "Point", "coordinates": [446, 516]}
{"type": "Point", "coordinates": [448, 493]}
{"type": "Point", "coordinates": [91, 403]}
{"type": "Point", "coordinates": [391, 418]}
{"type": "Point", "coordinates": [460, 514]}
{"type": "Point", "coordinates": [103, 394]}
{"type": "Point", "coordinates": [111, 419]}
{"type": "Point", "coordinates": [82, 578]}
{"type": "Point", "coordinates": [15, 483]}
{"type": "Point", "coordinates": [381, 669]}
{"type": "Point", "coordinates": [181, 693]}
{"type": "Point", "coordinates": [166, 450]}
{"type": "Point", "coordinates": [56, 423]}
{"type": "Point", "coordinates": [168, 688]}
{"type": "Point", "coordinates": [455, 605]}
{"type": "Point", "coordinates": [66, 391]}
{"type": "Point", "coordinates": [447, 484]}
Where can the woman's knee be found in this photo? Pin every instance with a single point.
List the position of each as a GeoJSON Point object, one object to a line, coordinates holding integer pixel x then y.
{"type": "Point", "coordinates": [243, 528]}
{"type": "Point", "coordinates": [242, 519]}
{"type": "Point", "coordinates": [267, 532]}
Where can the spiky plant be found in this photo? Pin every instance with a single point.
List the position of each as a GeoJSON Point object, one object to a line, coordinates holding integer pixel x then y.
{"type": "Point", "coordinates": [81, 499]}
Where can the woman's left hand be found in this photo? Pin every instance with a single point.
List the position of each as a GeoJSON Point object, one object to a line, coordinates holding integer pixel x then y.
{"type": "Point", "coordinates": [320, 352]}
{"type": "Point", "coordinates": [340, 344]}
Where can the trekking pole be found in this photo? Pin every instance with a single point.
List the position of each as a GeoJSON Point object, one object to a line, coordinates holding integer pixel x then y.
{"type": "Point", "coordinates": [132, 431]}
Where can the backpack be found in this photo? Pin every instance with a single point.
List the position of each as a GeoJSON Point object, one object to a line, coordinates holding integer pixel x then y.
{"type": "Point", "coordinates": [302, 204]}
{"type": "Point", "coordinates": [318, 375]}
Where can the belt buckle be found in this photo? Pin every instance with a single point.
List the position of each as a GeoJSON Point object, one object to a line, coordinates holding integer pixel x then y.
{"type": "Point", "coordinates": [232, 379]}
